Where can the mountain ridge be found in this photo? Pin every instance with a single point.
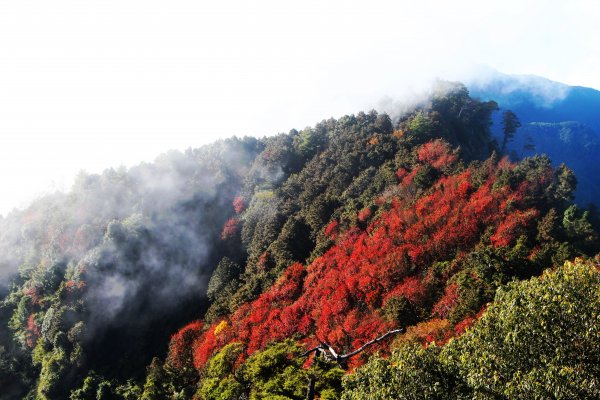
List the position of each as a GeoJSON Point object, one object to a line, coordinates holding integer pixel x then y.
{"type": "Point", "coordinates": [336, 233]}
{"type": "Point", "coordinates": [538, 100]}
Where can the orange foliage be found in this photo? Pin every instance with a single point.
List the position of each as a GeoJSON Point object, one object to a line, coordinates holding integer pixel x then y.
{"type": "Point", "coordinates": [73, 286]}
{"type": "Point", "coordinates": [434, 330]}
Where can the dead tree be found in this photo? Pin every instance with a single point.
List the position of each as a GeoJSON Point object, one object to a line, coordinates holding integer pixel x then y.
{"type": "Point", "coordinates": [326, 351]}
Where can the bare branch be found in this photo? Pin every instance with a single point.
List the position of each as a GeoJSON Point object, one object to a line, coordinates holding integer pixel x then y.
{"type": "Point", "coordinates": [372, 342]}
{"type": "Point", "coordinates": [326, 348]}
{"type": "Point", "coordinates": [329, 353]}
{"type": "Point", "coordinates": [315, 349]}
{"type": "Point", "coordinates": [330, 350]}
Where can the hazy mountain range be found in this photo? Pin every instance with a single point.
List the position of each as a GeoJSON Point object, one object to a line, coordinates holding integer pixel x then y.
{"type": "Point", "coordinates": [559, 120]}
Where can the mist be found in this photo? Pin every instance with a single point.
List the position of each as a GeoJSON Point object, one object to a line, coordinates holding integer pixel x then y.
{"type": "Point", "coordinates": [130, 252]}
{"type": "Point", "coordinates": [92, 86]}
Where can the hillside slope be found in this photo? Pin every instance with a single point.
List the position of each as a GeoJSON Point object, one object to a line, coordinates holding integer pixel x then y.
{"type": "Point", "coordinates": [334, 234]}
{"type": "Point", "coordinates": [558, 120]}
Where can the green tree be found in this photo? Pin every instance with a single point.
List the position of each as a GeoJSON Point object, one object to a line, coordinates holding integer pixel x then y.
{"type": "Point", "coordinates": [412, 372]}
{"type": "Point", "coordinates": [88, 390]}
{"type": "Point", "coordinates": [563, 185]}
{"type": "Point", "coordinates": [154, 387]}
{"type": "Point", "coordinates": [579, 229]}
{"type": "Point", "coordinates": [510, 124]}
{"type": "Point", "coordinates": [220, 381]}
{"type": "Point", "coordinates": [539, 339]}
{"type": "Point", "coordinates": [276, 372]}
{"type": "Point", "coordinates": [226, 272]}
{"type": "Point", "coordinates": [54, 364]}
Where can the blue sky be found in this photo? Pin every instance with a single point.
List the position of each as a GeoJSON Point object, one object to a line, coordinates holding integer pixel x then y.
{"type": "Point", "coordinates": [94, 84]}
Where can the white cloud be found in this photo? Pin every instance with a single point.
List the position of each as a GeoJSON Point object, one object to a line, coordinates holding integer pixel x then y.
{"type": "Point", "coordinates": [97, 84]}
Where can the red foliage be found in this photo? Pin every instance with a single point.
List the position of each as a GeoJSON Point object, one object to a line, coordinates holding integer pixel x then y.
{"type": "Point", "coordinates": [448, 301]}
{"type": "Point", "coordinates": [338, 297]}
{"type": "Point", "coordinates": [264, 261]}
{"type": "Point", "coordinates": [33, 292]}
{"type": "Point", "coordinates": [513, 226]}
{"type": "Point", "coordinates": [412, 289]}
{"type": "Point", "coordinates": [204, 347]}
{"type": "Point", "coordinates": [462, 326]}
{"type": "Point", "coordinates": [331, 230]}
{"type": "Point", "coordinates": [33, 331]}
{"type": "Point", "coordinates": [437, 153]}
{"type": "Point", "coordinates": [256, 324]}
{"type": "Point", "coordinates": [401, 173]}
{"type": "Point", "coordinates": [180, 347]}
{"type": "Point", "coordinates": [364, 214]}
{"type": "Point", "coordinates": [82, 239]}
{"type": "Point", "coordinates": [466, 323]}
{"type": "Point", "coordinates": [407, 178]}
{"type": "Point", "coordinates": [230, 228]}
{"type": "Point", "coordinates": [239, 204]}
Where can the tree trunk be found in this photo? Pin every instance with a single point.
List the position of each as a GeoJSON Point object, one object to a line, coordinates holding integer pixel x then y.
{"type": "Point", "coordinates": [310, 389]}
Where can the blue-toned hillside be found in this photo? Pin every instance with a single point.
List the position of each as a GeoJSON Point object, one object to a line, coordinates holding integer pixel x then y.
{"type": "Point", "coordinates": [559, 120]}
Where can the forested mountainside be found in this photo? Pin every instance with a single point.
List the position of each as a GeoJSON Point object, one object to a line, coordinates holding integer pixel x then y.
{"type": "Point", "coordinates": [559, 120]}
{"type": "Point", "coordinates": [255, 268]}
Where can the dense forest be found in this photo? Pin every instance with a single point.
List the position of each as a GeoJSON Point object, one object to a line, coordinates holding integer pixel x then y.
{"type": "Point", "coordinates": [361, 258]}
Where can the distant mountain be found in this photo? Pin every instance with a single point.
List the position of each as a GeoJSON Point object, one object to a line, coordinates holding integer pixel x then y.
{"type": "Point", "coordinates": [559, 120]}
